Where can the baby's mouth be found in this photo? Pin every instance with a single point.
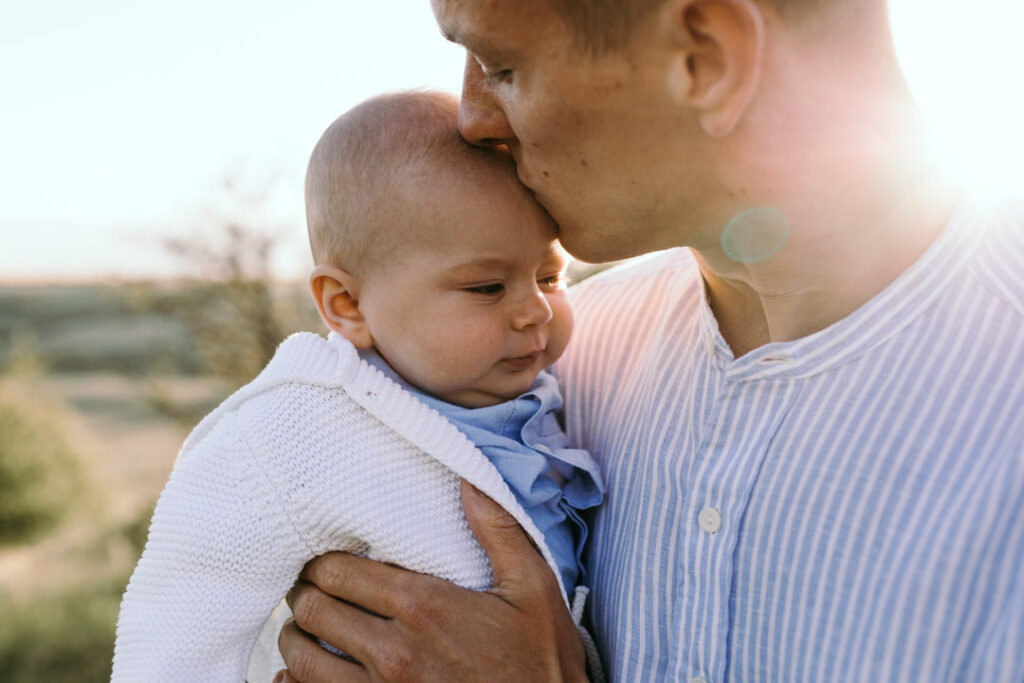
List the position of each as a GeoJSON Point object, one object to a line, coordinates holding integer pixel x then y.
{"type": "Point", "coordinates": [522, 362]}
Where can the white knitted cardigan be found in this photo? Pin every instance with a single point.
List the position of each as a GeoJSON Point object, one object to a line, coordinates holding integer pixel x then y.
{"type": "Point", "coordinates": [320, 452]}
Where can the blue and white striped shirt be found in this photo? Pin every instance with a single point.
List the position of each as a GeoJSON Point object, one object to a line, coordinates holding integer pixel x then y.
{"type": "Point", "coordinates": [844, 507]}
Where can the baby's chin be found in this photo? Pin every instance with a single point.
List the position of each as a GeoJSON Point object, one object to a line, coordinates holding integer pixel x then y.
{"type": "Point", "coordinates": [486, 397]}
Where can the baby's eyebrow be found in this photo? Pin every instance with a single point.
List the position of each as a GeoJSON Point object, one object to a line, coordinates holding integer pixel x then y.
{"type": "Point", "coordinates": [559, 255]}
{"type": "Point", "coordinates": [476, 265]}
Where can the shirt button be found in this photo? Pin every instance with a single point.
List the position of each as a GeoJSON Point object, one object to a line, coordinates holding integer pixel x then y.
{"type": "Point", "coordinates": [710, 520]}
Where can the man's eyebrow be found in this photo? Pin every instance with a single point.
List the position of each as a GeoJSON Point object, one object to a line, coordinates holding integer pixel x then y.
{"type": "Point", "coordinates": [452, 34]}
{"type": "Point", "coordinates": [466, 40]}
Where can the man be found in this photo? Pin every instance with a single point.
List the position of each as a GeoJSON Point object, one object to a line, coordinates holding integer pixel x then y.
{"type": "Point", "coordinates": [810, 422]}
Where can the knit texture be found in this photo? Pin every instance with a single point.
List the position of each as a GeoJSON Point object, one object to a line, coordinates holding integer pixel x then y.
{"type": "Point", "coordinates": [320, 452]}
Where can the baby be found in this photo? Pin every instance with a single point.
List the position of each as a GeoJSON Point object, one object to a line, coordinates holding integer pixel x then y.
{"type": "Point", "coordinates": [441, 281]}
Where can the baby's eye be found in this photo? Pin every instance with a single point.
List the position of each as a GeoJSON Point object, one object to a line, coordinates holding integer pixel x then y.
{"type": "Point", "coordinates": [492, 289]}
{"type": "Point", "coordinates": [551, 281]}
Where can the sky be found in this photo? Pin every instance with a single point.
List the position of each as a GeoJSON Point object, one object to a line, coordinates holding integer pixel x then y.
{"type": "Point", "coordinates": [121, 120]}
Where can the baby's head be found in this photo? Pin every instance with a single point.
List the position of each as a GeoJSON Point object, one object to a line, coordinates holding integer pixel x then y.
{"type": "Point", "coordinates": [431, 251]}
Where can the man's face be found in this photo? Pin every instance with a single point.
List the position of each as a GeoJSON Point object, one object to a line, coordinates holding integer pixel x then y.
{"type": "Point", "coordinates": [472, 305]}
{"type": "Point", "coordinates": [597, 139]}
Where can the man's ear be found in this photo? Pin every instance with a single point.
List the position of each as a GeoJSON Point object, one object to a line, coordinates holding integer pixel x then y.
{"type": "Point", "coordinates": [336, 295]}
{"type": "Point", "coordinates": [721, 45]}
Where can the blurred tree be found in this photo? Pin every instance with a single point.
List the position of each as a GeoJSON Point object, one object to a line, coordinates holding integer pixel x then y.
{"type": "Point", "coordinates": [236, 310]}
{"type": "Point", "coordinates": [231, 312]}
{"type": "Point", "coordinates": [232, 305]}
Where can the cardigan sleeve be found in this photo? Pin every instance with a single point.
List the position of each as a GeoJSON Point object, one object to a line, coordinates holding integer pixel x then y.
{"type": "Point", "coordinates": [221, 554]}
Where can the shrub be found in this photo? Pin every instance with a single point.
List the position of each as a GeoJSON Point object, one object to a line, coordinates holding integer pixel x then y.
{"type": "Point", "coordinates": [39, 475]}
{"type": "Point", "coordinates": [62, 637]}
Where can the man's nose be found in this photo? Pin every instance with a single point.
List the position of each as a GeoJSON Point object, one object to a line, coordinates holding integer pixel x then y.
{"type": "Point", "coordinates": [481, 121]}
{"type": "Point", "coordinates": [533, 309]}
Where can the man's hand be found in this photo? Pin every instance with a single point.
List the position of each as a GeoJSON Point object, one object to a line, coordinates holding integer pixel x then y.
{"type": "Point", "coordinates": [426, 629]}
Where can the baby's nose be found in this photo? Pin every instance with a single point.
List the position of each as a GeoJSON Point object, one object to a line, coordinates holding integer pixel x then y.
{"type": "Point", "coordinates": [532, 310]}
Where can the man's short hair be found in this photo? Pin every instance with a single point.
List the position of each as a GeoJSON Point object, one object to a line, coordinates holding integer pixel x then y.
{"type": "Point", "coordinates": [359, 173]}
{"type": "Point", "coordinates": [601, 26]}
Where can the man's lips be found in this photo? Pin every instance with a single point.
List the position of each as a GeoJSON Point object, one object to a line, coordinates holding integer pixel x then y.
{"type": "Point", "coordinates": [524, 178]}
{"type": "Point", "coordinates": [522, 362]}
{"type": "Point", "coordinates": [537, 197]}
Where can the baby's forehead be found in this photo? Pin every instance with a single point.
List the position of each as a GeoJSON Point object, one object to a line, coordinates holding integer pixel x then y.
{"type": "Point", "coordinates": [458, 160]}
{"type": "Point", "coordinates": [457, 179]}
{"type": "Point", "coordinates": [448, 202]}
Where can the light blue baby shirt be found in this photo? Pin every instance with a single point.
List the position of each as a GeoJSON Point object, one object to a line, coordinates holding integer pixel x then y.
{"type": "Point", "coordinates": [523, 440]}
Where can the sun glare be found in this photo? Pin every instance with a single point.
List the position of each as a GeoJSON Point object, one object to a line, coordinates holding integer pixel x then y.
{"type": "Point", "coordinates": [964, 63]}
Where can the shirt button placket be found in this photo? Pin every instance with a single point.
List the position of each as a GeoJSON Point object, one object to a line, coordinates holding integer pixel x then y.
{"type": "Point", "coordinates": [710, 521]}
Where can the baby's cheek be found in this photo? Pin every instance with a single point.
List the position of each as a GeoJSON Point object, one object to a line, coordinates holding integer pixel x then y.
{"type": "Point", "coordinates": [561, 331]}
{"type": "Point", "coordinates": [448, 356]}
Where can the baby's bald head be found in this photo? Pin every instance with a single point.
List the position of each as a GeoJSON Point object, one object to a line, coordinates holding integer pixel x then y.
{"type": "Point", "coordinates": [368, 168]}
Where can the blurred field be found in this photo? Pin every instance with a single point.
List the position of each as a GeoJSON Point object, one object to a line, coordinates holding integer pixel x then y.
{"type": "Point", "coordinates": [114, 375]}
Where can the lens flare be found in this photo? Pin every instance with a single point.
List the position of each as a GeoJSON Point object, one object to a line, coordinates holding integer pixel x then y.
{"type": "Point", "coordinates": [755, 234]}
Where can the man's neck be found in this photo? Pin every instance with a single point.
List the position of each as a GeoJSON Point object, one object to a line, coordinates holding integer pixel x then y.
{"type": "Point", "coordinates": [838, 253]}
{"type": "Point", "coordinates": [832, 158]}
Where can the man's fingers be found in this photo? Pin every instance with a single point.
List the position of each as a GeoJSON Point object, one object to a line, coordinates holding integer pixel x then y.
{"type": "Point", "coordinates": [516, 563]}
{"type": "Point", "coordinates": [307, 662]}
{"type": "Point", "coordinates": [378, 587]}
{"type": "Point", "coordinates": [346, 627]}
{"type": "Point", "coordinates": [382, 648]}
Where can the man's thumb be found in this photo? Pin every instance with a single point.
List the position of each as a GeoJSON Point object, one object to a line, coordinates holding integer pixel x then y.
{"type": "Point", "coordinates": [513, 556]}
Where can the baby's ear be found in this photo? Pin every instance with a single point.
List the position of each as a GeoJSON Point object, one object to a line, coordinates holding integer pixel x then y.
{"type": "Point", "coordinates": [336, 295]}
